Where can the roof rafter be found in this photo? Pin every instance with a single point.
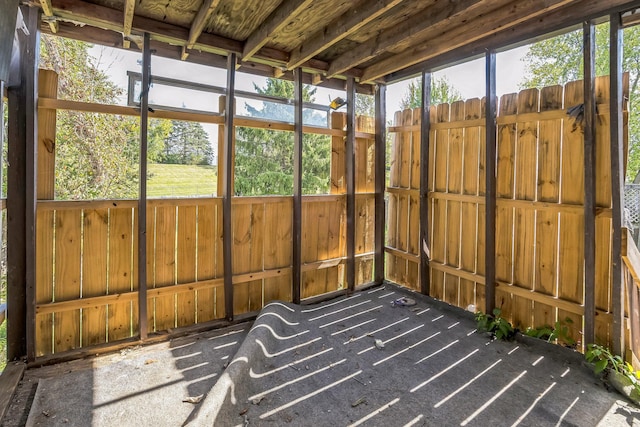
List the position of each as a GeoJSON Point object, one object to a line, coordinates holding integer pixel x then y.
{"type": "Point", "coordinates": [198, 24]}
{"type": "Point", "coordinates": [508, 16]}
{"type": "Point", "coordinates": [431, 20]}
{"type": "Point", "coordinates": [129, 9]}
{"type": "Point", "coordinates": [281, 16]}
{"type": "Point", "coordinates": [357, 17]}
{"type": "Point", "coordinates": [48, 13]}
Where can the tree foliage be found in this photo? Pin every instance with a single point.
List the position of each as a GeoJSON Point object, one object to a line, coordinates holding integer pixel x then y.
{"type": "Point", "coordinates": [442, 92]}
{"type": "Point", "coordinates": [264, 158]}
{"type": "Point", "coordinates": [558, 60]}
{"type": "Point", "coordinates": [96, 154]}
{"type": "Point", "coordinates": [187, 143]}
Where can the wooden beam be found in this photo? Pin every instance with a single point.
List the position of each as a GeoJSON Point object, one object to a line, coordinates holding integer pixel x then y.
{"type": "Point", "coordinates": [425, 130]}
{"type": "Point", "coordinates": [490, 183]}
{"type": "Point", "coordinates": [227, 186]}
{"type": "Point", "coordinates": [297, 186]}
{"type": "Point", "coordinates": [198, 24]}
{"type": "Point", "coordinates": [380, 176]}
{"type": "Point", "coordinates": [432, 20]}
{"type": "Point", "coordinates": [617, 179]}
{"type": "Point", "coordinates": [509, 16]}
{"type": "Point", "coordinates": [354, 19]}
{"type": "Point", "coordinates": [9, 380]}
{"type": "Point", "coordinates": [143, 328]}
{"type": "Point", "coordinates": [21, 194]}
{"type": "Point", "coordinates": [48, 13]}
{"type": "Point", "coordinates": [589, 62]}
{"type": "Point", "coordinates": [275, 22]}
{"type": "Point", "coordinates": [350, 177]}
{"type": "Point", "coordinates": [129, 11]}
{"type": "Point", "coordinates": [557, 22]}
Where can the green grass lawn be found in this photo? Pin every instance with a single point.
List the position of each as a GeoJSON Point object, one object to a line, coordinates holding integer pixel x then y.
{"type": "Point", "coordinates": [181, 180]}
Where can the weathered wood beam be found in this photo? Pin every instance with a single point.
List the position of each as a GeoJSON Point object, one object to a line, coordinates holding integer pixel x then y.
{"type": "Point", "coordinates": [616, 108]}
{"type": "Point", "coordinates": [558, 22]}
{"type": "Point", "coordinates": [355, 18]}
{"type": "Point", "coordinates": [432, 20]}
{"type": "Point", "coordinates": [589, 63]}
{"type": "Point", "coordinates": [143, 327]}
{"type": "Point", "coordinates": [198, 24]}
{"type": "Point", "coordinates": [48, 13]}
{"type": "Point", "coordinates": [490, 183]}
{"type": "Point", "coordinates": [111, 19]}
{"type": "Point", "coordinates": [380, 161]}
{"type": "Point", "coordinates": [275, 22]}
{"type": "Point", "coordinates": [425, 131]}
{"type": "Point", "coordinates": [129, 9]}
{"type": "Point", "coordinates": [509, 16]}
{"type": "Point", "coordinates": [296, 273]}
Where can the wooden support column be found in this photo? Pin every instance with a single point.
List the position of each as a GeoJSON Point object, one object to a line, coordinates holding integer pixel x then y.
{"type": "Point", "coordinates": [380, 175]}
{"type": "Point", "coordinates": [351, 184]}
{"type": "Point", "coordinates": [227, 186]}
{"type": "Point", "coordinates": [425, 129]}
{"type": "Point", "coordinates": [490, 194]}
{"type": "Point", "coordinates": [589, 51]}
{"type": "Point", "coordinates": [142, 199]}
{"type": "Point", "coordinates": [296, 273]}
{"type": "Point", "coordinates": [21, 193]}
{"type": "Point", "coordinates": [616, 104]}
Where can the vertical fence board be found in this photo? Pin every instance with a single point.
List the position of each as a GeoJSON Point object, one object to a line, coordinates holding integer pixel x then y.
{"type": "Point", "coordinates": [120, 271]}
{"type": "Point", "coordinates": [94, 274]}
{"type": "Point", "coordinates": [186, 268]}
{"type": "Point", "coordinates": [206, 261]}
{"type": "Point", "coordinates": [165, 266]}
{"type": "Point", "coordinates": [44, 280]}
{"type": "Point", "coordinates": [67, 277]}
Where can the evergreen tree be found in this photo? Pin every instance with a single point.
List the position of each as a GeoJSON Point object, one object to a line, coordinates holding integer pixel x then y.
{"type": "Point", "coordinates": [264, 158]}
{"type": "Point", "coordinates": [187, 144]}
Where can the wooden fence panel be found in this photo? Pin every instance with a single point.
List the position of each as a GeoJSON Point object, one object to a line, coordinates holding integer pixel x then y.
{"type": "Point", "coordinates": [94, 274]}
{"type": "Point", "coordinates": [44, 280]}
{"type": "Point", "coordinates": [121, 238]}
{"type": "Point", "coordinates": [539, 215]}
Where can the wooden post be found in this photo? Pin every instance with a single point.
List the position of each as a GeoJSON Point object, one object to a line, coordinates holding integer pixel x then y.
{"type": "Point", "coordinates": [380, 175]}
{"type": "Point", "coordinates": [142, 198]}
{"type": "Point", "coordinates": [351, 183]}
{"type": "Point", "coordinates": [227, 189]}
{"type": "Point", "coordinates": [616, 104]}
{"type": "Point", "coordinates": [47, 88]}
{"type": "Point", "coordinates": [296, 273]}
{"type": "Point", "coordinates": [490, 193]}
{"type": "Point", "coordinates": [21, 194]}
{"type": "Point", "coordinates": [425, 130]}
{"type": "Point", "coordinates": [589, 50]}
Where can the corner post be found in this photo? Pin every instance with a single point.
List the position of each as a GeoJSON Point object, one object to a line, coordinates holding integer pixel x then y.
{"type": "Point", "coordinates": [351, 184]}
{"type": "Point", "coordinates": [297, 187]}
{"type": "Point", "coordinates": [425, 130]}
{"type": "Point", "coordinates": [380, 175]}
{"type": "Point", "coordinates": [227, 186]}
{"type": "Point", "coordinates": [490, 195]}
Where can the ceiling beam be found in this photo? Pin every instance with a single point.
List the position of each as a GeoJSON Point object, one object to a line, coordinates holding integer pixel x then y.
{"type": "Point", "coordinates": [432, 20]}
{"type": "Point", "coordinates": [48, 13]}
{"type": "Point", "coordinates": [129, 9]}
{"type": "Point", "coordinates": [354, 19]}
{"type": "Point", "coordinates": [505, 17]}
{"type": "Point", "coordinates": [114, 39]}
{"type": "Point", "coordinates": [77, 11]}
{"type": "Point", "coordinates": [198, 24]}
{"type": "Point", "coordinates": [275, 22]}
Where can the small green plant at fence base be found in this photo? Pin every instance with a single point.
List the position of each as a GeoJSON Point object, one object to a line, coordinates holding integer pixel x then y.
{"type": "Point", "coordinates": [495, 325]}
{"type": "Point", "coordinates": [605, 362]}
{"type": "Point", "coordinates": [560, 332]}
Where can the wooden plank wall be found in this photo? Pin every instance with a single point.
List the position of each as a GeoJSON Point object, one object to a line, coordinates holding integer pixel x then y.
{"type": "Point", "coordinates": [86, 286]}
{"type": "Point", "coordinates": [539, 215]}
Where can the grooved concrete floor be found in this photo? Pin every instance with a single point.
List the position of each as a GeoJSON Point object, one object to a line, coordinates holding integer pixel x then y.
{"type": "Point", "coordinates": [352, 361]}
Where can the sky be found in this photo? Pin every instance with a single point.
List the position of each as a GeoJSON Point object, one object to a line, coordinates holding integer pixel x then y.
{"type": "Point", "coordinates": [468, 78]}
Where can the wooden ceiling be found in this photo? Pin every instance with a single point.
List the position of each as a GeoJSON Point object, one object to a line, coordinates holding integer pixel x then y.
{"type": "Point", "coordinates": [370, 40]}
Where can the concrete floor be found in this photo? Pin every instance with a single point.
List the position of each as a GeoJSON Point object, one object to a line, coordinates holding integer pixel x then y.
{"type": "Point", "coordinates": [320, 365]}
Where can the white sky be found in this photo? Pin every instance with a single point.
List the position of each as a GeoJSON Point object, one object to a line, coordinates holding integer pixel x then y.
{"type": "Point", "coordinates": [468, 78]}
